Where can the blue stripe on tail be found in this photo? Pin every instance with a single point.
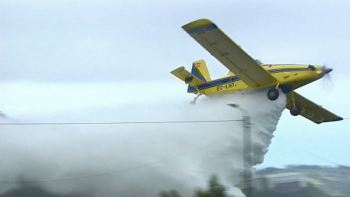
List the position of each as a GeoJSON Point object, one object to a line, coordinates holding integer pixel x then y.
{"type": "Point", "coordinates": [197, 73]}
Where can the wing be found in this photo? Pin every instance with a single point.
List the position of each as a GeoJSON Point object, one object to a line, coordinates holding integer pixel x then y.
{"type": "Point", "coordinates": [228, 53]}
{"type": "Point", "coordinates": [311, 110]}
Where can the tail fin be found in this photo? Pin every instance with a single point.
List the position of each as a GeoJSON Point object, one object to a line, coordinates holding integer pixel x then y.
{"type": "Point", "coordinates": [200, 70]}
{"type": "Point", "coordinates": [198, 76]}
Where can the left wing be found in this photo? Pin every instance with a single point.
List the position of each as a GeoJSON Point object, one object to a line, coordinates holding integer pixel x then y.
{"type": "Point", "coordinates": [311, 110]}
{"type": "Point", "coordinates": [218, 44]}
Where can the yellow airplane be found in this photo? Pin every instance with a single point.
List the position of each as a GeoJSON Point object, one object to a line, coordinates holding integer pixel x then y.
{"type": "Point", "coordinates": [248, 74]}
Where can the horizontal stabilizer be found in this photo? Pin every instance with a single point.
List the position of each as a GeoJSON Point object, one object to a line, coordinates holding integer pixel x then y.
{"type": "Point", "coordinates": [187, 77]}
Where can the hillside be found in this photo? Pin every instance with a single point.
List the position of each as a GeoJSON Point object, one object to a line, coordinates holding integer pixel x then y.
{"type": "Point", "coordinates": [334, 181]}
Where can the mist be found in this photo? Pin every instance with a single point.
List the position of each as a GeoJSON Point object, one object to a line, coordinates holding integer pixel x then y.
{"type": "Point", "coordinates": [137, 159]}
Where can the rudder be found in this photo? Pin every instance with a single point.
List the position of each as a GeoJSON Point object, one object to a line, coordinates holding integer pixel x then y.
{"type": "Point", "coordinates": [200, 70]}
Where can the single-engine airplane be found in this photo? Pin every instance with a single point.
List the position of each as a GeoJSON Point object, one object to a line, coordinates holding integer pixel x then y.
{"type": "Point", "coordinates": [247, 73]}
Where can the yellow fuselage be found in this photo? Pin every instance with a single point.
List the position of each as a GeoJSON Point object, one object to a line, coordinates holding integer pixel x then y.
{"type": "Point", "coordinates": [289, 77]}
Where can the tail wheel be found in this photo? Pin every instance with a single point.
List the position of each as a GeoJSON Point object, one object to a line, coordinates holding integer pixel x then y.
{"type": "Point", "coordinates": [273, 94]}
{"type": "Point", "coordinates": [295, 111]}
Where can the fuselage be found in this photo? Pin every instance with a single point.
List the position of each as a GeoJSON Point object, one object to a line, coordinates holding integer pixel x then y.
{"type": "Point", "coordinates": [289, 77]}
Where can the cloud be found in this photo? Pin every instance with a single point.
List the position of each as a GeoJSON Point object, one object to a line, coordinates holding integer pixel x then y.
{"type": "Point", "coordinates": [112, 41]}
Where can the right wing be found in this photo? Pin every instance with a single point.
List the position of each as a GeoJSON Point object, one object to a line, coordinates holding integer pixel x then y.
{"type": "Point", "coordinates": [218, 44]}
{"type": "Point", "coordinates": [311, 110]}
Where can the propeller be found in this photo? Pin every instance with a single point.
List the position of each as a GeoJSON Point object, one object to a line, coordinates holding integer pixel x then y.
{"type": "Point", "coordinates": [326, 69]}
{"type": "Point", "coordinates": [327, 79]}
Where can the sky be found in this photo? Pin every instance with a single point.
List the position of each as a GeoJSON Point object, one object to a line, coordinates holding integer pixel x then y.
{"type": "Point", "coordinates": [64, 57]}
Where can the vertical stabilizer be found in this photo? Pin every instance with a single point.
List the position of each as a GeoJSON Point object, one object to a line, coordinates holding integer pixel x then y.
{"type": "Point", "coordinates": [200, 70]}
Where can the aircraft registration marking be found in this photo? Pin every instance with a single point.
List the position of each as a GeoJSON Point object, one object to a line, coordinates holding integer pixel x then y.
{"type": "Point", "coordinates": [226, 86]}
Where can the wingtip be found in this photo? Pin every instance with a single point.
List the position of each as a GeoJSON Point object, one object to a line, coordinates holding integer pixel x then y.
{"type": "Point", "coordinates": [199, 26]}
{"type": "Point", "coordinates": [338, 119]}
{"type": "Point", "coordinates": [196, 23]}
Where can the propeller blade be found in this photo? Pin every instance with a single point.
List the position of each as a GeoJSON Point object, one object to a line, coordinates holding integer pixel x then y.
{"type": "Point", "coordinates": [327, 80]}
{"type": "Point", "coordinates": [327, 70]}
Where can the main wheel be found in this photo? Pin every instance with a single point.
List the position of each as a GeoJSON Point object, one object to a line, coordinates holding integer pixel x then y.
{"type": "Point", "coordinates": [295, 111]}
{"type": "Point", "coordinates": [273, 94]}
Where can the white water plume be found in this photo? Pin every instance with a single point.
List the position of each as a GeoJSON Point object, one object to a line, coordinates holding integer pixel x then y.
{"type": "Point", "coordinates": [140, 159]}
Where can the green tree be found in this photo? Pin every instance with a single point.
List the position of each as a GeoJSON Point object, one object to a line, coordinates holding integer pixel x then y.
{"type": "Point", "coordinates": [215, 189]}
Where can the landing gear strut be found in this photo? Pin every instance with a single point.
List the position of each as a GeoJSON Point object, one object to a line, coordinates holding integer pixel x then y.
{"type": "Point", "coordinates": [195, 99]}
{"type": "Point", "coordinates": [296, 107]}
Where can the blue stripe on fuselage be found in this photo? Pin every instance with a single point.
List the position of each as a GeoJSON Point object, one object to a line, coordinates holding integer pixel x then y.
{"type": "Point", "coordinates": [218, 82]}
{"type": "Point", "coordinates": [288, 70]}
{"type": "Point", "coordinates": [214, 83]}
{"type": "Point", "coordinates": [235, 79]}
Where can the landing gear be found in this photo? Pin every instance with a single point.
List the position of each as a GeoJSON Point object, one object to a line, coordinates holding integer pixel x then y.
{"type": "Point", "coordinates": [296, 109]}
{"type": "Point", "coordinates": [198, 93]}
{"type": "Point", "coordinates": [195, 99]}
{"type": "Point", "coordinates": [273, 94]}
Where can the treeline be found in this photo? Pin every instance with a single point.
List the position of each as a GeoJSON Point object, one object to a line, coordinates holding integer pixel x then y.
{"type": "Point", "coordinates": [324, 181]}
{"type": "Point", "coordinates": [215, 189]}
{"type": "Point", "coordinates": [334, 180]}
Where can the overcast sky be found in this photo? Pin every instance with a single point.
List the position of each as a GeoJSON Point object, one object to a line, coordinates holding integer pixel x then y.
{"type": "Point", "coordinates": [63, 56]}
